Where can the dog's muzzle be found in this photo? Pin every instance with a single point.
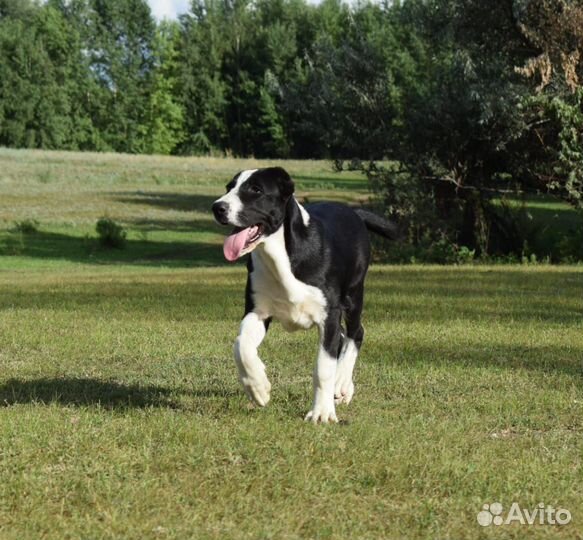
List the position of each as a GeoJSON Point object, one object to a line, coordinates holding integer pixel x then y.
{"type": "Point", "coordinates": [221, 212]}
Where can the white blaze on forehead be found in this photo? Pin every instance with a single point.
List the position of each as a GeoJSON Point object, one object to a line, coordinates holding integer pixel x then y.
{"type": "Point", "coordinates": [242, 178]}
{"type": "Point", "coordinates": [233, 200]}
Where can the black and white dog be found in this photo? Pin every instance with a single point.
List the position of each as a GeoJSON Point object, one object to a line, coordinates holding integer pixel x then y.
{"type": "Point", "coordinates": [307, 267]}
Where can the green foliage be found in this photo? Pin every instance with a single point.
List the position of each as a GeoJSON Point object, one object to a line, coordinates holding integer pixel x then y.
{"type": "Point", "coordinates": [164, 122]}
{"type": "Point", "coordinates": [570, 116]}
{"type": "Point", "coordinates": [35, 97]}
{"type": "Point", "coordinates": [570, 247]}
{"type": "Point", "coordinates": [427, 214]}
{"type": "Point", "coordinates": [120, 38]}
{"type": "Point", "coordinates": [111, 234]}
{"type": "Point", "coordinates": [26, 226]}
{"type": "Point", "coordinates": [202, 86]}
{"type": "Point", "coordinates": [473, 99]}
{"type": "Point", "coordinates": [465, 255]}
{"type": "Point", "coordinates": [15, 8]}
{"type": "Point", "coordinates": [475, 131]}
{"type": "Point", "coordinates": [271, 123]}
{"type": "Point", "coordinates": [561, 119]}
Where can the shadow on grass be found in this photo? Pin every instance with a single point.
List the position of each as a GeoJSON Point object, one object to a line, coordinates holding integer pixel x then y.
{"type": "Point", "coordinates": [79, 392]}
{"type": "Point", "coordinates": [194, 225]}
{"type": "Point", "coordinates": [544, 359]}
{"type": "Point", "coordinates": [45, 245]}
{"type": "Point", "coordinates": [496, 295]}
{"type": "Point", "coordinates": [142, 251]}
{"type": "Point", "coordinates": [183, 202]}
{"type": "Point", "coordinates": [110, 395]}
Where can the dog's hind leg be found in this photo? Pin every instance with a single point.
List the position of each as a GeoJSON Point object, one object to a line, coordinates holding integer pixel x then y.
{"type": "Point", "coordinates": [251, 368]}
{"type": "Point", "coordinates": [344, 386]}
{"type": "Point", "coordinates": [323, 409]}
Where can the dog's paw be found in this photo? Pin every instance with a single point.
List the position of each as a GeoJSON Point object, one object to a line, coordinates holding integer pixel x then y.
{"type": "Point", "coordinates": [322, 414]}
{"type": "Point", "coordinates": [257, 388]}
{"type": "Point", "coordinates": [343, 390]}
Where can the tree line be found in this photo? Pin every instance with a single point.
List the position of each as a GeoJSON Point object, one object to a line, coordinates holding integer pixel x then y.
{"type": "Point", "coordinates": [467, 100]}
{"type": "Point", "coordinates": [273, 78]}
{"type": "Point", "coordinates": [270, 78]}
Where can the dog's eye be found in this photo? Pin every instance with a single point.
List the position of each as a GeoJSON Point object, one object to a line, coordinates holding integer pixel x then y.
{"type": "Point", "coordinates": [256, 189]}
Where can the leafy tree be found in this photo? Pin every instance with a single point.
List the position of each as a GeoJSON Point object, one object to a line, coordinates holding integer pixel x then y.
{"type": "Point", "coordinates": [555, 111]}
{"type": "Point", "coordinates": [120, 37]}
{"type": "Point", "coordinates": [278, 42]}
{"type": "Point", "coordinates": [164, 129]}
{"type": "Point", "coordinates": [470, 100]}
{"type": "Point", "coordinates": [459, 142]}
{"type": "Point", "coordinates": [203, 88]}
{"type": "Point", "coordinates": [15, 8]}
{"type": "Point", "coordinates": [273, 141]}
{"type": "Point", "coordinates": [345, 98]}
{"type": "Point", "coordinates": [37, 78]}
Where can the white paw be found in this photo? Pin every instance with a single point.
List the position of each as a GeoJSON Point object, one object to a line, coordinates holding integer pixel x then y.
{"type": "Point", "coordinates": [257, 387]}
{"type": "Point", "coordinates": [343, 391]}
{"type": "Point", "coordinates": [322, 414]}
{"type": "Point", "coordinates": [343, 385]}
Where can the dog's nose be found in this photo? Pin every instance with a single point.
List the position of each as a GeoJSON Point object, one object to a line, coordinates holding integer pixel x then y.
{"type": "Point", "coordinates": [220, 210]}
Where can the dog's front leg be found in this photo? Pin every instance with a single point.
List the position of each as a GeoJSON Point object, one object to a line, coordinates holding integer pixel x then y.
{"type": "Point", "coordinates": [251, 368]}
{"type": "Point", "coordinates": [323, 409]}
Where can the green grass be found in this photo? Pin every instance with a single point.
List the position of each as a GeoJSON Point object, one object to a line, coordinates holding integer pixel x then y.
{"type": "Point", "coordinates": [163, 202]}
{"type": "Point", "coordinates": [121, 415]}
{"type": "Point", "coordinates": [552, 226]}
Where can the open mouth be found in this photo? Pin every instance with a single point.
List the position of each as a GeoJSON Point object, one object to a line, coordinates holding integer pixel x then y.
{"type": "Point", "coordinates": [242, 241]}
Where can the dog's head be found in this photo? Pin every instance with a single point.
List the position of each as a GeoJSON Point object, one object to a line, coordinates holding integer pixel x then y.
{"type": "Point", "coordinates": [255, 205]}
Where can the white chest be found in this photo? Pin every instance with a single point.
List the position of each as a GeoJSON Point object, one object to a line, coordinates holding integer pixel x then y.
{"type": "Point", "coordinates": [276, 291]}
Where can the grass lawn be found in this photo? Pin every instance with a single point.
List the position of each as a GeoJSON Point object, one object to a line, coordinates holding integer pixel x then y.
{"type": "Point", "coordinates": [120, 411]}
{"type": "Point", "coordinates": [554, 228]}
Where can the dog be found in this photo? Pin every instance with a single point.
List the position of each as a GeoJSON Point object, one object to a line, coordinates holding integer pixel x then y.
{"type": "Point", "coordinates": [307, 268]}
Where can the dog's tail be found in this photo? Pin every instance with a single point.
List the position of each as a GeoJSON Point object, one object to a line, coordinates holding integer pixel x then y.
{"type": "Point", "coordinates": [378, 224]}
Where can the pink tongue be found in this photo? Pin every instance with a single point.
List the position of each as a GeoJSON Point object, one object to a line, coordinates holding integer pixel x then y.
{"type": "Point", "coordinates": [235, 243]}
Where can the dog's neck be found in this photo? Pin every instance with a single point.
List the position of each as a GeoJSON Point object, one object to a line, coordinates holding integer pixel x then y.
{"type": "Point", "coordinates": [280, 248]}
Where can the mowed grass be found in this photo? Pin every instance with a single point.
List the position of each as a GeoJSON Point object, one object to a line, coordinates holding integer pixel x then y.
{"type": "Point", "coordinates": [121, 415]}
{"type": "Point", "coordinates": [163, 203]}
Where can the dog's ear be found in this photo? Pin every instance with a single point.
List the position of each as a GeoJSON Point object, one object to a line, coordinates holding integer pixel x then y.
{"type": "Point", "coordinates": [286, 184]}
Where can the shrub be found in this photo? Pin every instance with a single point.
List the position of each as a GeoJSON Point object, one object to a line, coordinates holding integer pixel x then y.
{"type": "Point", "coordinates": [465, 255]}
{"type": "Point", "coordinates": [26, 226]}
{"type": "Point", "coordinates": [111, 234]}
{"type": "Point", "coordinates": [428, 217]}
{"type": "Point", "coordinates": [570, 247]}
